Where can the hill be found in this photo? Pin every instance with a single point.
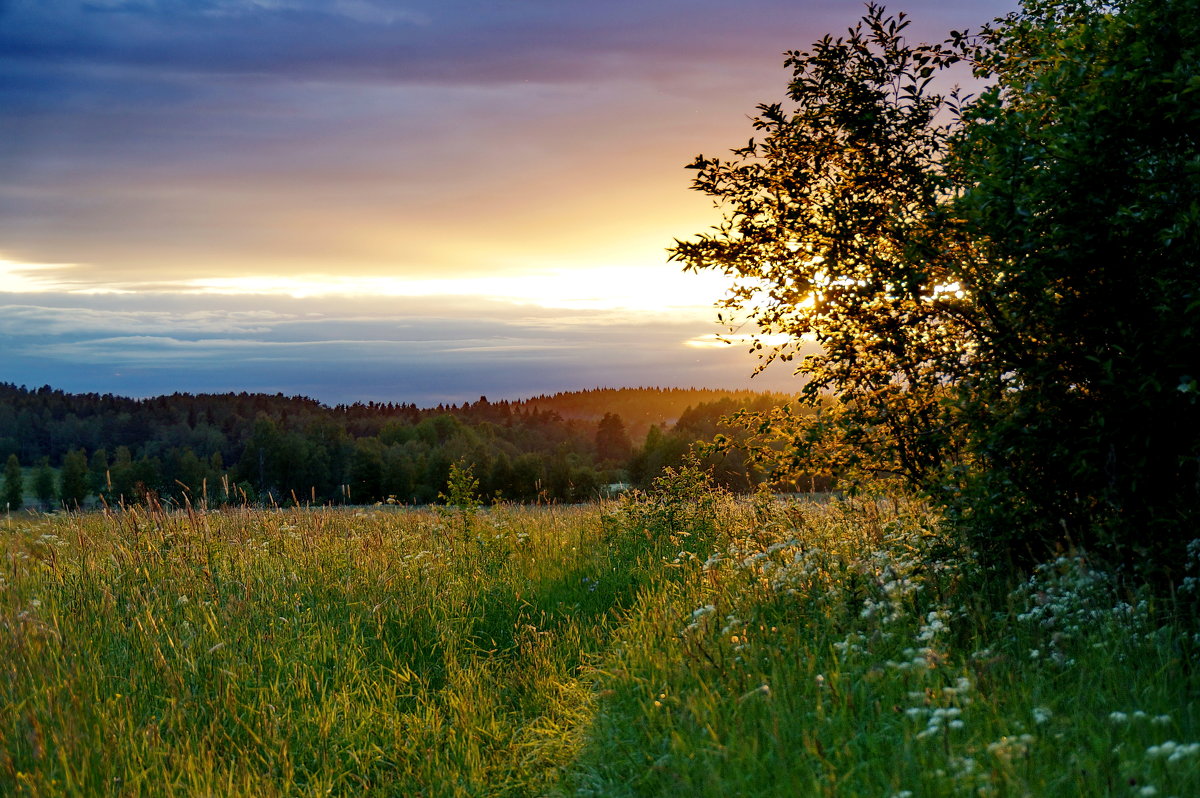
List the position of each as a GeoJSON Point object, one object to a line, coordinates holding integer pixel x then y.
{"type": "Point", "coordinates": [639, 408]}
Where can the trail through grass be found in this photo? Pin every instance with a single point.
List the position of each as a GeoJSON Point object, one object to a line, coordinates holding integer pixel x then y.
{"type": "Point", "coordinates": [675, 643]}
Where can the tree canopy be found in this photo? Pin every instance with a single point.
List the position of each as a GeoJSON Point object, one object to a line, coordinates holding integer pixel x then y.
{"type": "Point", "coordinates": [991, 295]}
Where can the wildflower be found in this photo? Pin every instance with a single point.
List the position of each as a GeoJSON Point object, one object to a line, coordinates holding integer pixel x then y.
{"type": "Point", "coordinates": [1118, 717]}
{"type": "Point", "coordinates": [1009, 748]}
{"type": "Point", "coordinates": [934, 625]}
{"type": "Point", "coordinates": [1182, 752]}
{"type": "Point", "coordinates": [1165, 749]}
{"type": "Point", "coordinates": [1041, 715]}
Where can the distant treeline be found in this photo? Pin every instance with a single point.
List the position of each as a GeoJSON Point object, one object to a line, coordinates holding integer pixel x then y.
{"type": "Point", "coordinates": [275, 448]}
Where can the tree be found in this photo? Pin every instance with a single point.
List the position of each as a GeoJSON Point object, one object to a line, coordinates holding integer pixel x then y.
{"type": "Point", "coordinates": [120, 480]}
{"type": "Point", "coordinates": [366, 471]}
{"type": "Point", "coordinates": [397, 476]}
{"type": "Point", "coordinates": [43, 483]}
{"type": "Point", "coordinates": [612, 442]}
{"type": "Point", "coordinates": [73, 484]}
{"type": "Point", "coordinates": [98, 474]}
{"type": "Point", "coordinates": [1079, 183]}
{"type": "Point", "coordinates": [832, 235]}
{"type": "Point", "coordinates": [1000, 289]}
{"type": "Point", "coordinates": [14, 483]}
{"type": "Point", "coordinates": [462, 488]}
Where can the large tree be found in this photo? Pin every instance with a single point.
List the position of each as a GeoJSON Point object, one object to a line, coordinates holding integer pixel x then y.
{"type": "Point", "coordinates": [838, 242]}
{"type": "Point", "coordinates": [1000, 291]}
{"type": "Point", "coordinates": [1079, 176]}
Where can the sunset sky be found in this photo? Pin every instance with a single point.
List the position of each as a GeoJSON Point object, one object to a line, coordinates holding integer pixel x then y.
{"type": "Point", "coordinates": [416, 201]}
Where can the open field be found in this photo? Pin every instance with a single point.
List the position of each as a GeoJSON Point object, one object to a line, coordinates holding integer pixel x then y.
{"type": "Point", "coordinates": [684, 642]}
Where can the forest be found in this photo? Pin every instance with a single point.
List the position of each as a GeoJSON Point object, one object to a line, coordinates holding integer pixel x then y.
{"type": "Point", "coordinates": [80, 449]}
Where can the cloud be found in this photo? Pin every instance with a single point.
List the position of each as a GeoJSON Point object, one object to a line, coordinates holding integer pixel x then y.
{"type": "Point", "coordinates": [22, 320]}
{"type": "Point", "coordinates": [430, 41]}
{"type": "Point", "coordinates": [425, 350]}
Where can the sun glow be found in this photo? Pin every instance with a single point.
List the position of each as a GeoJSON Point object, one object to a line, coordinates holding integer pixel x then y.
{"type": "Point", "coordinates": [661, 288]}
{"type": "Point", "coordinates": [594, 288]}
{"type": "Point", "coordinates": [29, 278]}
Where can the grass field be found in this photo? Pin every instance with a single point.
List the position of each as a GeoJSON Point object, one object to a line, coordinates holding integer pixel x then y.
{"type": "Point", "coordinates": [678, 643]}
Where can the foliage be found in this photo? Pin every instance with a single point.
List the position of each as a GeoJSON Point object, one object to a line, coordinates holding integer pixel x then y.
{"type": "Point", "coordinates": [1080, 186]}
{"type": "Point", "coordinates": [461, 496]}
{"type": "Point", "coordinates": [612, 442]}
{"type": "Point", "coordinates": [14, 484]}
{"type": "Point", "coordinates": [73, 482]}
{"type": "Point", "coordinates": [43, 483]}
{"type": "Point", "coordinates": [679, 509]}
{"type": "Point", "coordinates": [832, 216]}
{"type": "Point", "coordinates": [992, 297]}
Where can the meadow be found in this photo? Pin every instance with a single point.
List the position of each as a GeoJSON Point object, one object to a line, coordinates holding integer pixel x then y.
{"type": "Point", "coordinates": [679, 641]}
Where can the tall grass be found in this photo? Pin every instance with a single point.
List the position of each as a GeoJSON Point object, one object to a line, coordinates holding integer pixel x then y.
{"type": "Point", "coordinates": [678, 642]}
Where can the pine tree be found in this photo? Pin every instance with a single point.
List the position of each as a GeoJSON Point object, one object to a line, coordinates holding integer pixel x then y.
{"type": "Point", "coordinates": [612, 442]}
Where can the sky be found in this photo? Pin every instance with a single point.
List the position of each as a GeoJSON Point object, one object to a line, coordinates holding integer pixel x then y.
{"type": "Point", "coordinates": [380, 200]}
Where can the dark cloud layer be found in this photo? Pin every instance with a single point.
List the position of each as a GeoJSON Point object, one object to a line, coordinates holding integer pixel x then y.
{"type": "Point", "coordinates": [157, 48]}
{"type": "Point", "coordinates": [456, 41]}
